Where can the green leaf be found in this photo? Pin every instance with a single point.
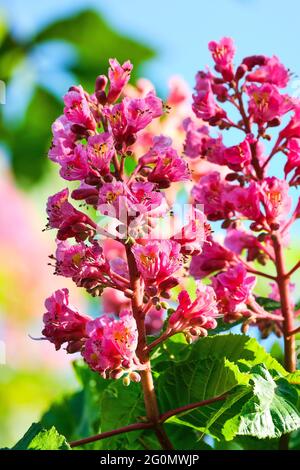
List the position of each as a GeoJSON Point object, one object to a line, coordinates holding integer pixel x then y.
{"type": "Point", "coordinates": [223, 326]}
{"type": "Point", "coordinates": [121, 406]}
{"type": "Point", "coordinates": [294, 377]}
{"type": "Point", "coordinates": [268, 304]}
{"type": "Point", "coordinates": [29, 142]}
{"type": "Point", "coordinates": [270, 412]}
{"type": "Point", "coordinates": [215, 365]}
{"type": "Point", "coordinates": [95, 44]}
{"type": "Point", "coordinates": [37, 438]}
{"type": "Point", "coordinates": [174, 349]}
{"type": "Point", "coordinates": [77, 415]}
{"type": "Point", "coordinates": [206, 373]}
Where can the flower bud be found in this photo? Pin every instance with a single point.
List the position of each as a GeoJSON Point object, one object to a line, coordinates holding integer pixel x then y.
{"type": "Point", "coordinates": [101, 97]}
{"type": "Point", "coordinates": [126, 381]}
{"type": "Point", "coordinates": [101, 82]}
{"type": "Point", "coordinates": [240, 72]}
{"type": "Point", "coordinates": [274, 122]}
{"type": "Point", "coordinates": [135, 377]}
{"type": "Point", "coordinates": [116, 374]}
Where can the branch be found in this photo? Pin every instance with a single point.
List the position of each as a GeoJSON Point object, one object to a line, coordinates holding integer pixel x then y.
{"type": "Point", "coordinates": [117, 167]}
{"type": "Point", "coordinates": [246, 120]}
{"type": "Point", "coordinates": [273, 152]}
{"type": "Point", "coordinates": [297, 266]}
{"type": "Point", "coordinates": [294, 332]}
{"type": "Point", "coordinates": [114, 432]}
{"type": "Point", "coordinates": [255, 271]}
{"type": "Point", "coordinates": [260, 273]}
{"type": "Point", "coordinates": [147, 425]}
{"type": "Point", "coordinates": [191, 406]}
{"type": "Point", "coordinates": [159, 340]}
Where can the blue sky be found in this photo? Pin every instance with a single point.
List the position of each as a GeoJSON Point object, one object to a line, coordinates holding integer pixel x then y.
{"type": "Point", "coordinates": [180, 30]}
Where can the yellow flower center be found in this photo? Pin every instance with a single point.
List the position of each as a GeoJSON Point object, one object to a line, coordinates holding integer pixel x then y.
{"type": "Point", "coordinates": [100, 149]}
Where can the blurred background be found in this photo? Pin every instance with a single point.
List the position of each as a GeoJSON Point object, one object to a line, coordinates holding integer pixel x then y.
{"type": "Point", "coordinates": [45, 47]}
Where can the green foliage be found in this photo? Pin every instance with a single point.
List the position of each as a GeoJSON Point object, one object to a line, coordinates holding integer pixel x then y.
{"type": "Point", "coordinates": [260, 402]}
{"type": "Point", "coordinates": [37, 438]}
{"type": "Point", "coordinates": [30, 142]}
{"type": "Point", "coordinates": [268, 304]}
{"type": "Point", "coordinates": [94, 42]}
{"type": "Point", "coordinates": [230, 364]}
{"type": "Point", "coordinates": [270, 412]}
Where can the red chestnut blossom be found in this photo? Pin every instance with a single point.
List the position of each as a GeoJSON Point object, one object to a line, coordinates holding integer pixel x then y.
{"type": "Point", "coordinates": [275, 199]}
{"type": "Point", "coordinates": [199, 143]}
{"type": "Point", "coordinates": [238, 156]}
{"type": "Point", "coordinates": [245, 200]}
{"type": "Point", "coordinates": [266, 103]}
{"type": "Point", "coordinates": [204, 104]}
{"type": "Point", "coordinates": [214, 258]}
{"type": "Point", "coordinates": [196, 138]}
{"type": "Point", "coordinates": [111, 344]}
{"type": "Point", "coordinates": [211, 191]}
{"type": "Point", "coordinates": [293, 156]}
{"type": "Point", "coordinates": [273, 71]}
{"type": "Point", "coordinates": [292, 129]}
{"type": "Point", "coordinates": [169, 168]}
{"type": "Point", "coordinates": [58, 207]}
{"type": "Point", "coordinates": [63, 139]}
{"type": "Point", "coordinates": [119, 200]}
{"type": "Point", "coordinates": [75, 166]}
{"type": "Point", "coordinates": [79, 108]}
{"type": "Point", "coordinates": [233, 290]}
{"type": "Point", "coordinates": [157, 260]}
{"type": "Point", "coordinates": [238, 240]}
{"type": "Point", "coordinates": [114, 301]}
{"type": "Point", "coordinates": [86, 265]}
{"type": "Point", "coordinates": [63, 324]}
{"type": "Point", "coordinates": [133, 115]}
{"type": "Point", "coordinates": [223, 54]}
{"type": "Point", "coordinates": [194, 317]}
{"type": "Point", "coordinates": [100, 136]}
{"type": "Point", "coordinates": [194, 234]}
{"type": "Point", "coordinates": [100, 150]}
{"type": "Point", "coordinates": [119, 76]}
{"type": "Point", "coordinates": [69, 221]}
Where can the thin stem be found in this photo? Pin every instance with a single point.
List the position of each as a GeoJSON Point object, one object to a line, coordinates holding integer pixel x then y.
{"type": "Point", "coordinates": [119, 278]}
{"type": "Point", "coordinates": [150, 400]}
{"type": "Point", "coordinates": [159, 340]}
{"type": "Point", "coordinates": [255, 271]}
{"type": "Point", "coordinates": [114, 432]}
{"type": "Point", "coordinates": [122, 165]}
{"type": "Point", "coordinates": [255, 162]}
{"type": "Point", "coordinates": [148, 425]}
{"type": "Point", "coordinates": [286, 305]}
{"type": "Point", "coordinates": [117, 167]}
{"type": "Point", "coordinates": [273, 152]}
{"type": "Point", "coordinates": [260, 273]}
{"type": "Point", "coordinates": [293, 270]}
{"type": "Point", "coordinates": [294, 332]}
{"type": "Point", "coordinates": [134, 173]}
{"type": "Point", "coordinates": [192, 406]}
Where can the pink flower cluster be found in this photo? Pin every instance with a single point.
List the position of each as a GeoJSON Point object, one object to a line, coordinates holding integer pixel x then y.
{"type": "Point", "coordinates": [91, 142]}
{"type": "Point", "coordinates": [238, 191]}
{"type": "Point", "coordinates": [107, 344]}
{"type": "Point", "coordinates": [126, 262]}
